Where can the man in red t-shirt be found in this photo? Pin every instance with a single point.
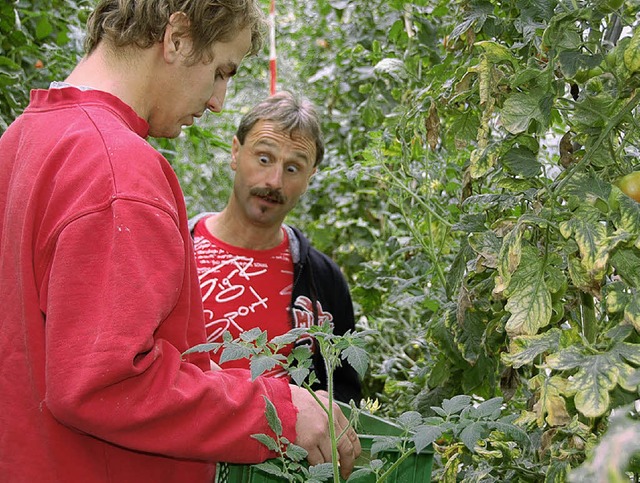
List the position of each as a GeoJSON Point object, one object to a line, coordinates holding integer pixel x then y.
{"type": "Point", "coordinates": [256, 271]}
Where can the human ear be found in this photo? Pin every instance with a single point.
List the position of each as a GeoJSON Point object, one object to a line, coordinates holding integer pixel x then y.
{"type": "Point", "coordinates": [235, 147]}
{"type": "Point", "coordinates": [176, 41]}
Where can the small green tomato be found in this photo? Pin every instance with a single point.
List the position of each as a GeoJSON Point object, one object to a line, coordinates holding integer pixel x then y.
{"type": "Point", "coordinates": [630, 185]}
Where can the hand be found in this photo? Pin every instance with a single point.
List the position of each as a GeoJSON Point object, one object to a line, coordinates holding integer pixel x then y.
{"type": "Point", "coordinates": [312, 430]}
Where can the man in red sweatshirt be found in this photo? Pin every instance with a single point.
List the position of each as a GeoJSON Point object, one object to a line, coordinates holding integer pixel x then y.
{"type": "Point", "coordinates": [99, 290]}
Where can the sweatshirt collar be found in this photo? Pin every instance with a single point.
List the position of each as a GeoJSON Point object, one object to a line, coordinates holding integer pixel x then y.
{"type": "Point", "coordinates": [68, 95]}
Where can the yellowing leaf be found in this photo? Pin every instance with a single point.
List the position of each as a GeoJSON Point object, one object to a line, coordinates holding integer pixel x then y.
{"type": "Point", "coordinates": [551, 406]}
{"type": "Point", "coordinates": [496, 53]}
{"type": "Point", "coordinates": [591, 237]}
{"type": "Point", "coordinates": [632, 53]}
{"type": "Point", "coordinates": [524, 349]}
{"type": "Point", "coordinates": [529, 299]}
{"type": "Point", "coordinates": [597, 374]}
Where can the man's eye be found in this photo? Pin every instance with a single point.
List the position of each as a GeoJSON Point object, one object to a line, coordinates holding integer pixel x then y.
{"type": "Point", "coordinates": [263, 159]}
{"type": "Point", "coordinates": [292, 169]}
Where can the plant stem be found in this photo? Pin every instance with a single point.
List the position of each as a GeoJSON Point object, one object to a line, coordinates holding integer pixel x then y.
{"type": "Point", "coordinates": [589, 322]}
{"type": "Point", "coordinates": [396, 464]}
{"type": "Point", "coordinates": [329, 365]}
{"type": "Point", "coordinates": [626, 109]}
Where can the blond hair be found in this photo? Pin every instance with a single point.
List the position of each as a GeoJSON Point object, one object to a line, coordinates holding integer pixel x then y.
{"type": "Point", "coordinates": [142, 23]}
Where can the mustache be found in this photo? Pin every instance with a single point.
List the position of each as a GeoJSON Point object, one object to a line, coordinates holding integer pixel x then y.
{"type": "Point", "coordinates": [269, 193]}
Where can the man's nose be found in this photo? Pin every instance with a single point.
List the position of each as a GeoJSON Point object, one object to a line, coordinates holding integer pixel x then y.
{"type": "Point", "coordinates": [216, 101]}
{"type": "Point", "coordinates": [274, 177]}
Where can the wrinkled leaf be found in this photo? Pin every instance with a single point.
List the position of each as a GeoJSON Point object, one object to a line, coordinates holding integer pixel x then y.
{"type": "Point", "coordinates": [550, 405]}
{"type": "Point", "coordinates": [520, 109]}
{"type": "Point", "coordinates": [524, 349]}
{"type": "Point", "coordinates": [632, 53]}
{"type": "Point", "coordinates": [529, 299]}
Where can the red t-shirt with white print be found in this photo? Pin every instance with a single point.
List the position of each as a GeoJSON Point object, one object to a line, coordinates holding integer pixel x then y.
{"type": "Point", "coordinates": [243, 289]}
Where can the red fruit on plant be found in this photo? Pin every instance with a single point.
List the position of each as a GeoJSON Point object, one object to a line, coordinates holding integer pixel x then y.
{"type": "Point", "coordinates": [630, 185]}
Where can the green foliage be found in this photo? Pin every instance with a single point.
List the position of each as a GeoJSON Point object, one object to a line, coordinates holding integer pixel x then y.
{"type": "Point", "coordinates": [469, 198]}
{"type": "Point", "coordinates": [40, 41]}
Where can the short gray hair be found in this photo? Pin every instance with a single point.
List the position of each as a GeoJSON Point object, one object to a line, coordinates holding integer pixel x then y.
{"type": "Point", "coordinates": [294, 115]}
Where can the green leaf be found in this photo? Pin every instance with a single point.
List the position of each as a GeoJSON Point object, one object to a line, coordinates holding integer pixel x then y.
{"type": "Point", "coordinates": [464, 127]}
{"type": "Point", "coordinates": [268, 441]}
{"type": "Point", "coordinates": [425, 435]}
{"type": "Point", "coordinates": [361, 474]}
{"type": "Point", "coordinates": [234, 352]}
{"type": "Point", "coordinates": [43, 28]}
{"type": "Point", "coordinates": [472, 433]}
{"type": "Point", "coordinates": [520, 109]}
{"type": "Point", "coordinates": [272, 417]}
{"type": "Point", "coordinates": [273, 469]}
{"type": "Point", "coordinates": [262, 363]}
{"type": "Point", "coordinates": [384, 443]}
{"type": "Point", "coordinates": [297, 453]}
{"type": "Point", "coordinates": [455, 404]}
{"type": "Point", "coordinates": [522, 162]}
{"type": "Point", "coordinates": [299, 374]}
{"type": "Point", "coordinates": [529, 299]}
{"type": "Point", "coordinates": [491, 408]}
{"type": "Point", "coordinates": [627, 265]}
{"type": "Point", "coordinates": [284, 339]}
{"type": "Point", "coordinates": [321, 472]}
{"type": "Point", "coordinates": [358, 358]}
{"type": "Point", "coordinates": [572, 61]}
{"type": "Point", "coordinates": [202, 348]}
{"type": "Point", "coordinates": [251, 335]}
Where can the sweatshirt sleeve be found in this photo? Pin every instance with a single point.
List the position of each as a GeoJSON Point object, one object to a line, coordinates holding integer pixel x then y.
{"type": "Point", "coordinates": [116, 318]}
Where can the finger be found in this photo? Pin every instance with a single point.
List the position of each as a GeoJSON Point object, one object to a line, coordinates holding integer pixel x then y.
{"type": "Point", "coordinates": [315, 457]}
{"type": "Point", "coordinates": [347, 456]}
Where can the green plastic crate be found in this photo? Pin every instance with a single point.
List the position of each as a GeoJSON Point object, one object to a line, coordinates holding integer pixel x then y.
{"type": "Point", "coordinates": [415, 469]}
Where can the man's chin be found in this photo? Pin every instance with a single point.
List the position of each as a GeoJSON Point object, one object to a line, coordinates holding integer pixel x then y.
{"type": "Point", "coordinates": [165, 133]}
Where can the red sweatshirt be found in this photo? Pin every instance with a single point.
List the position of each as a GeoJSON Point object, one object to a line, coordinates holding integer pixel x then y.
{"type": "Point", "coordinates": [99, 298]}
